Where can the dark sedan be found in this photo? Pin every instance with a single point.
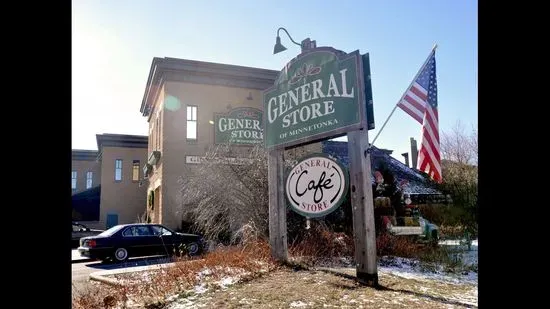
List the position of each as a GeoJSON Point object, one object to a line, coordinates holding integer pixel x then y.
{"type": "Point", "coordinates": [140, 239]}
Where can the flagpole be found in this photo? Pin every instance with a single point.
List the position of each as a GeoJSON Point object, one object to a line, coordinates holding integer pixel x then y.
{"type": "Point", "coordinates": [404, 93]}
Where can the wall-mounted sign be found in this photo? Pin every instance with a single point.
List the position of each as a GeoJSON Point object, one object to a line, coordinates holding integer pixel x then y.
{"type": "Point", "coordinates": [240, 126]}
{"type": "Point", "coordinates": [318, 95]}
{"type": "Point", "coordinates": [218, 160]}
{"type": "Point", "coordinates": [316, 185]}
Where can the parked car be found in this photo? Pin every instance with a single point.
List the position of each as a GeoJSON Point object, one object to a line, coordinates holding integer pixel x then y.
{"type": "Point", "coordinates": [139, 239]}
{"type": "Point", "coordinates": [79, 231]}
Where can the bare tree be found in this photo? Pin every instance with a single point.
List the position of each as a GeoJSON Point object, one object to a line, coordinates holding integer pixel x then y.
{"type": "Point", "coordinates": [227, 191]}
{"type": "Point", "coordinates": [459, 152]}
{"type": "Point", "coordinates": [227, 194]}
{"type": "Point", "coordinates": [459, 146]}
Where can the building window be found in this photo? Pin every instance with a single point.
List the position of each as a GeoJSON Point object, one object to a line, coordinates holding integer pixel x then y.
{"type": "Point", "coordinates": [157, 144]}
{"type": "Point", "coordinates": [192, 122]}
{"type": "Point", "coordinates": [89, 181]}
{"type": "Point", "coordinates": [73, 180]}
{"type": "Point", "coordinates": [151, 142]}
{"type": "Point", "coordinates": [118, 170]}
{"type": "Point", "coordinates": [135, 170]}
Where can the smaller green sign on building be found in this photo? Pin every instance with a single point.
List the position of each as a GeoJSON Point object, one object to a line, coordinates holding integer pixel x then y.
{"type": "Point", "coordinates": [240, 126]}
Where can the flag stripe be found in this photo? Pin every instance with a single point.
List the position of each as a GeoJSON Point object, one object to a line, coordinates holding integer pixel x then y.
{"type": "Point", "coordinates": [415, 101]}
{"type": "Point", "coordinates": [429, 132]}
{"type": "Point", "coordinates": [420, 102]}
{"type": "Point", "coordinates": [420, 92]}
{"type": "Point", "coordinates": [431, 151]}
{"type": "Point", "coordinates": [413, 112]}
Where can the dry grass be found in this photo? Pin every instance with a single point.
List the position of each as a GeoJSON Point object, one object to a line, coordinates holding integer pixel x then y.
{"type": "Point", "coordinates": [285, 288]}
{"type": "Point", "coordinates": [247, 261]}
{"type": "Point", "coordinates": [275, 286]}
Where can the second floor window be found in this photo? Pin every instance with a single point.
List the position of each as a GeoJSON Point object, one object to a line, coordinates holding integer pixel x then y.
{"type": "Point", "coordinates": [118, 170]}
{"type": "Point", "coordinates": [135, 170]}
{"type": "Point", "coordinates": [89, 177]}
{"type": "Point", "coordinates": [73, 180]}
{"type": "Point", "coordinates": [158, 133]}
{"type": "Point", "coordinates": [192, 122]}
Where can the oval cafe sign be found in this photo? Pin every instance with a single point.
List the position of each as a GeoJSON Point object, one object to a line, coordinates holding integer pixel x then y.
{"type": "Point", "coordinates": [316, 186]}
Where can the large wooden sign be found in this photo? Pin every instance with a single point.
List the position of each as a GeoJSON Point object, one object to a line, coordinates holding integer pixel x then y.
{"type": "Point", "coordinates": [318, 95]}
{"type": "Point", "coordinates": [321, 94]}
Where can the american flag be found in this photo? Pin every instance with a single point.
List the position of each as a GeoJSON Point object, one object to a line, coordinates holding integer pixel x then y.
{"type": "Point", "coordinates": [420, 102]}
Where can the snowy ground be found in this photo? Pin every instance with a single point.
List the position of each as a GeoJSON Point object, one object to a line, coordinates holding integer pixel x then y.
{"type": "Point", "coordinates": [412, 285]}
{"type": "Point", "coordinates": [439, 288]}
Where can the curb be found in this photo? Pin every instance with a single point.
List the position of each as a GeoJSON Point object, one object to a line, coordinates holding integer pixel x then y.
{"type": "Point", "coordinates": [81, 261]}
{"type": "Point", "coordinates": [97, 277]}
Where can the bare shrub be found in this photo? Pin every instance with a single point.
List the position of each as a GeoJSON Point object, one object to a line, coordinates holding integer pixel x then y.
{"type": "Point", "coordinates": [401, 246]}
{"type": "Point", "coordinates": [320, 242]}
{"type": "Point", "coordinates": [249, 262]}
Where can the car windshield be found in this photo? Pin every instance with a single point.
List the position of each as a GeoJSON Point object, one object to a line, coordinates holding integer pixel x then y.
{"type": "Point", "coordinates": [111, 231]}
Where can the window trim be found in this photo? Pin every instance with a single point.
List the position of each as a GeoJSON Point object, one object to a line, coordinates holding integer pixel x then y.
{"type": "Point", "coordinates": [162, 228]}
{"type": "Point", "coordinates": [121, 168]}
{"type": "Point", "coordinates": [75, 178]}
{"type": "Point", "coordinates": [138, 170]}
{"type": "Point", "coordinates": [196, 120]}
{"type": "Point", "coordinates": [91, 179]}
{"type": "Point", "coordinates": [133, 226]}
{"type": "Point", "coordinates": [158, 131]}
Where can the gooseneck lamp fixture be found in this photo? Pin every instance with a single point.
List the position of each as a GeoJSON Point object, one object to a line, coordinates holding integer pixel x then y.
{"type": "Point", "coordinates": [278, 46]}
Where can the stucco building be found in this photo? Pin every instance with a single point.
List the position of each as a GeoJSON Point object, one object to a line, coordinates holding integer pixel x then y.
{"type": "Point", "coordinates": [190, 106]}
{"type": "Point", "coordinates": [107, 184]}
{"type": "Point", "coordinates": [85, 173]}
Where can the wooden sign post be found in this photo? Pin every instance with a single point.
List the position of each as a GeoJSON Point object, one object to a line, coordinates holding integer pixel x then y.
{"type": "Point", "coordinates": [362, 207]}
{"type": "Point", "coordinates": [321, 94]}
{"type": "Point", "coordinates": [277, 206]}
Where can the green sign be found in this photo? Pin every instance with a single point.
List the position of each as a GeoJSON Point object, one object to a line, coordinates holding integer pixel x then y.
{"type": "Point", "coordinates": [240, 126]}
{"type": "Point", "coordinates": [318, 95]}
{"type": "Point", "coordinates": [368, 91]}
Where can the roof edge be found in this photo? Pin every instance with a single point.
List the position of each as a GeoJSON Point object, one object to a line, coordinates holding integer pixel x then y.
{"type": "Point", "coordinates": [160, 66]}
{"type": "Point", "coordinates": [121, 140]}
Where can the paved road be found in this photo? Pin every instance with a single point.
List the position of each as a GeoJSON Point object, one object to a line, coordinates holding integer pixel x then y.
{"type": "Point", "coordinates": [81, 271]}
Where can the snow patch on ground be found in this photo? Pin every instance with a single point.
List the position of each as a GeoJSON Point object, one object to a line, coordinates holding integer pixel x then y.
{"type": "Point", "coordinates": [412, 269]}
{"type": "Point", "coordinates": [232, 276]}
{"type": "Point", "coordinates": [298, 304]}
{"type": "Point", "coordinates": [201, 288]}
{"type": "Point", "coordinates": [227, 281]}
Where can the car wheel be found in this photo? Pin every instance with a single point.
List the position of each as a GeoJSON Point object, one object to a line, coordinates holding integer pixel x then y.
{"type": "Point", "coordinates": [193, 248]}
{"type": "Point", "coordinates": [121, 254]}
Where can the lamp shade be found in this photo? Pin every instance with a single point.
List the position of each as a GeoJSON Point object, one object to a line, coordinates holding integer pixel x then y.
{"type": "Point", "coordinates": [278, 46]}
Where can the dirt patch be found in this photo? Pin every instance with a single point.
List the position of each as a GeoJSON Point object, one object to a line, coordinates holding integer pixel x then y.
{"type": "Point", "coordinates": [318, 289]}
